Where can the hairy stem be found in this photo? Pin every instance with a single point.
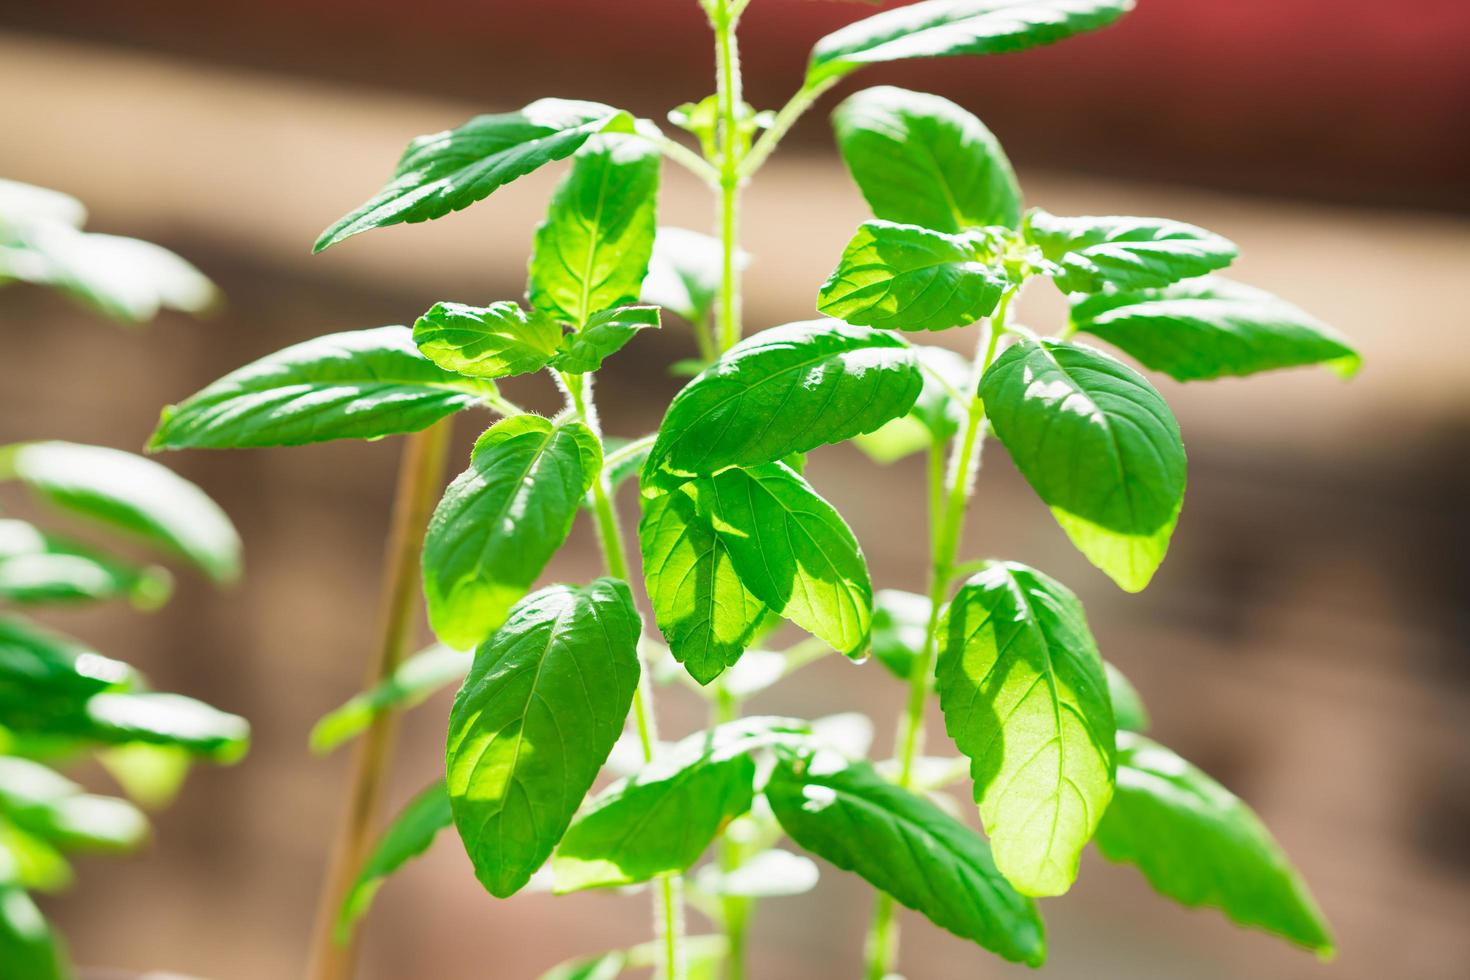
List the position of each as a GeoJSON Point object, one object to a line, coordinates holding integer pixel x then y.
{"type": "Point", "coordinates": [804, 99]}
{"type": "Point", "coordinates": [419, 476]}
{"type": "Point", "coordinates": [949, 494]}
{"type": "Point", "coordinates": [668, 917]}
{"type": "Point", "coordinates": [729, 94]}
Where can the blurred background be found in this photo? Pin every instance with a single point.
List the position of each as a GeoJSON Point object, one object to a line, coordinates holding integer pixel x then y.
{"type": "Point", "coordinates": [1305, 642]}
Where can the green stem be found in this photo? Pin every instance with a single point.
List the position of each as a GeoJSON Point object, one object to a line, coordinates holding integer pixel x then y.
{"type": "Point", "coordinates": [949, 494]}
{"type": "Point", "coordinates": [734, 910]}
{"type": "Point", "coordinates": [730, 98]}
{"type": "Point", "coordinates": [667, 903]}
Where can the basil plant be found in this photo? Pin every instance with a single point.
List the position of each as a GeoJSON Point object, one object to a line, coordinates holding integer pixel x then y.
{"type": "Point", "coordinates": [734, 541]}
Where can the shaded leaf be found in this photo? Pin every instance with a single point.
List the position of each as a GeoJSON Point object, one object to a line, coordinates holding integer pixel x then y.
{"type": "Point", "coordinates": [906, 846]}
{"type": "Point", "coordinates": [1097, 443]}
{"type": "Point", "coordinates": [501, 520]}
{"type": "Point", "coordinates": [662, 818]}
{"type": "Point", "coordinates": [684, 272]}
{"type": "Point", "coordinates": [1200, 845]}
{"type": "Point", "coordinates": [360, 384]}
{"type": "Point", "coordinates": [536, 719]}
{"type": "Point", "coordinates": [1024, 696]}
{"type": "Point", "coordinates": [900, 623]}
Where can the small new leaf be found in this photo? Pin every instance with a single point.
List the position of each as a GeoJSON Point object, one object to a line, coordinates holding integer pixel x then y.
{"type": "Point", "coordinates": [939, 28]}
{"type": "Point", "coordinates": [664, 817]}
{"type": "Point", "coordinates": [782, 391]}
{"type": "Point", "coordinates": [501, 520]}
{"type": "Point", "coordinates": [904, 277]}
{"type": "Point", "coordinates": [1208, 328]}
{"type": "Point", "coordinates": [922, 160]}
{"type": "Point", "coordinates": [1128, 708]}
{"type": "Point", "coordinates": [360, 384]}
{"type": "Point", "coordinates": [1200, 845]}
{"type": "Point", "coordinates": [536, 719]}
{"type": "Point", "coordinates": [495, 341]}
{"type": "Point", "coordinates": [606, 332]}
{"type": "Point", "coordinates": [415, 679]}
{"type": "Point", "coordinates": [1100, 447]}
{"type": "Point", "coordinates": [906, 846]}
{"type": "Point", "coordinates": [1024, 696]}
{"type": "Point", "coordinates": [449, 171]}
{"type": "Point", "coordinates": [1090, 254]}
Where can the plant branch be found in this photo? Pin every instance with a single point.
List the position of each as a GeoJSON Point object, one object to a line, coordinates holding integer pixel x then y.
{"type": "Point", "coordinates": [949, 494]}
{"type": "Point", "coordinates": [793, 110]}
{"type": "Point", "coordinates": [419, 476]}
{"type": "Point", "coordinates": [730, 97]}
{"type": "Point", "coordinates": [685, 157]}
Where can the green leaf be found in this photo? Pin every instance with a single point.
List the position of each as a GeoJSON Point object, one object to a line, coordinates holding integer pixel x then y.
{"type": "Point", "coordinates": [30, 862]}
{"type": "Point", "coordinates": [1212, 328]}
{"type": "Point", "coordinates": [29, 948]}
{"type": "Point", "coordinates": [501, 520]}
{"type": "Point", "coordinates": [415, 679]}
{"type": "Point", "coordinates": [592, 251]}
{"type": "Point", "coordinates": [37, 665]}
{"type": "Point", "coordinates": [1128, 709]}
{"type": "Point", "coordinates": [900, 623]}
{"type": "Point", "coordinates": [1199, 844]}
{"type": "Point", "coordinates": [37, 568]}
{"type": "Point", "coordinates": [700, 605]}
{"type": "Point", "coordinates": [792, 551]}
{"type": "Point", "coordinates": [168, 719]}
{"type": "Point", "coordinates": [1022, 688]}
{"type": "Point", "coordinates": [26, 204]}
{"type": "Point", "coordinates": [361, 384]}
{"type": "Point", "coordinates": [939, 412]}
{"type": "Point", "coordinates": [408, 836]}
{"type": "Point", "coordinates": [939, 28]}
{"type": "Point", "coordinates": [605, 334]}
{"type": "Point", "coordinates": [906, 846]}
{"type": "Point", "coordinates": [1098, 444]}
{"type": "Point", "coordinates": [922, 160]}
{"type": "Point", "coordinates": [131, 494]}
{"type": "Point", "coordinates": [449, 171]}
{"type": "Point", "coordinates": [663, 818]}
{"type": "Point", "coordinates": [43, 802]}
{"type": "Point", "coordinates": [684, 272]}
{"type": "Point", "coordinates": [151, 775]}
{"type": "Point", "coordinates": [495, 341]}
{"type": "Point", "coordinates": [1091, 253]}
{"type": "Point", "coordinates": [909, 278]}
{"type": "Point", "coordinates": [534, 722]}
{"type": "Point", "coordinates": [124, 278]}
{"type": "Point", "coordinates": [784, 390]}
{"type": "Point", "coordinates": [607, 966]}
